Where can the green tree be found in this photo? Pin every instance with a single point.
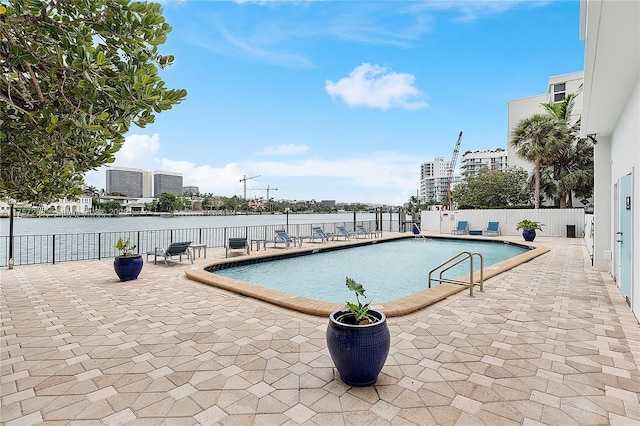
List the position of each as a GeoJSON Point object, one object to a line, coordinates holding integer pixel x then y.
{"type": "Point", "coordinates": [540, 139]}
{"type": "Point", "coordinates": [168, 202]}
{"type": "Point", "coordinates": [492, 189]}
{"type": "Point", "coordinates": [572, 173]}
{"type": "Point", "coordinates": [74, 75]}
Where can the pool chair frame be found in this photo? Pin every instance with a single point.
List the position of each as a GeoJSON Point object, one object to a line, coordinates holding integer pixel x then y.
{"type": "Point", "coordinates": [236, 244]}
{"type": "Point", "coordinates": [174, 249]}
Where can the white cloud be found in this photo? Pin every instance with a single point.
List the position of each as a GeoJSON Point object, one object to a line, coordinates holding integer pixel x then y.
{"type": "Point", "coordinates": [381, 169]}
{"type": "Point", "coordinates": [137, 148]}
{"type": "Point", "coordinates": [288, 149]}
{"type": "Point", "coordinates": [375, 87]}
{"type": "Point", "coordinates": [378, 176]}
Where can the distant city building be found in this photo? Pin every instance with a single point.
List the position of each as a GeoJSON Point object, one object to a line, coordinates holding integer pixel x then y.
{"type": "Point", "coordinates": [125, 180]}
{"type": "Point", "coordinates": [329, 203]}
{"type": "Point", "coordinates": [191, 190]}
{"type": "Point", "coordinates": [83, 204]}
{"type": "Point", "coordinates": [434, 181]}
{"type": "Point", "coordinates": [147, 184]}
{"type": "Point", "coordinates": [167, 182]}
{"type": "Point", "coordinates": [474, 161]}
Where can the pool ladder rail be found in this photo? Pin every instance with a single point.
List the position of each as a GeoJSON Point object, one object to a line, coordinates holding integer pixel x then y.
{"type": "Point", "coordinates": [455, 261]}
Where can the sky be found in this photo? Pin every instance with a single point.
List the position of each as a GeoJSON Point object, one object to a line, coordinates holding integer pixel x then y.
{"type": "Point", "coordinates": [343, 100]}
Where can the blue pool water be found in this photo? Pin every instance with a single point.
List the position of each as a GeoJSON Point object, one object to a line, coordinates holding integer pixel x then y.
{"type": "Point", "coordinates": [387, 270]}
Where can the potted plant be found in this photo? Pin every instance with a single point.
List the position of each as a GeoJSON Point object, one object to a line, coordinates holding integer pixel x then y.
{"type": "Point", "coordinates": [127, 265]}
{"type": "Point", "coordinates": [529, 228]}
{"type": "Point", "coordinates": [358, 340]}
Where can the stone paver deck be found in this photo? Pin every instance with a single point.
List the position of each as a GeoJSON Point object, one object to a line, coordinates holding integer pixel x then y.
{"type": "Point", "coordinates": [548, 342]}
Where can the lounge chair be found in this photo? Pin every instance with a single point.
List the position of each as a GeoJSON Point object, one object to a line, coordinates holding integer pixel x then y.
{"type": "Point", "coordinates": [282, 238]}
{"type": "Point", "coordinates": [317, 233]}
{"type": "Point", "coordinates": [236, 244]}
{"type": "Point", "coordinates": [462, 228]}
{"type": "Point", "coordinates": [493, 228]}
{"type": "Point", "coordinates": [361, 230]}
{"type": "Point", "coordinates": [174, 249]}
{"type": "Point", "coordinates": [342, 232]}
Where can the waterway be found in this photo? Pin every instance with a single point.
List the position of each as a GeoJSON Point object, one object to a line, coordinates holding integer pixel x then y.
{"type": "Point", "coordinates": [78, 225]}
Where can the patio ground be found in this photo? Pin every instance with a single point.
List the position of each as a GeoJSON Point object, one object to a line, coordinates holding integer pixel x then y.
{"type": "Point", "coordinates": [549, 342]}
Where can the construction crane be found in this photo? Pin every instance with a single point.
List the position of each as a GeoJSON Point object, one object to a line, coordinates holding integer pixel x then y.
{"type": "Point", "coordinates": [245, 179]}
{"type": "Point", "coordinates": [267, 189]}
{"type": "Point", "coordinates": [452, 167]}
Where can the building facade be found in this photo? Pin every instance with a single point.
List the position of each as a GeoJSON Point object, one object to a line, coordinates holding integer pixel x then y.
{"type": "Point", "coordinates": [434, 181]}
{"type": "Point", "coordinates": [81, 205]}
{"type": "Point", "coordinates": [125, 180]}
{"type": "Point", "coordinates": [147, 184]}
{"type": "Point", "coordinates": [474, 161]}
{"type": "Point", "coordinates": [191, 190]}
{"type": "Point", "coordinates": [167, 182]}
{"type": "Point", "coordinates": [610, 111]}
{"type": "Point", "coordinates": [557, 88]}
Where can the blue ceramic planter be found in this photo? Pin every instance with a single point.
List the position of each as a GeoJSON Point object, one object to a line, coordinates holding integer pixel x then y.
{"type": "Point", "coordinates": [358, 351]}
{"type": "Point", "coordinates": [128, 267]}
{"type": "Point", "coordinates": [529, 235]}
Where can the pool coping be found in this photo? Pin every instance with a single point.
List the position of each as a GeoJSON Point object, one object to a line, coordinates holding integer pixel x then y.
{"type": "Point", "coordinates": [398, 307]}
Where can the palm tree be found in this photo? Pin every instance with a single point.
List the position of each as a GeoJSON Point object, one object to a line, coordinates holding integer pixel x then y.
{"type": "Point", "coordinates": [572, 173]}
{"type": "Point", "coordinates": [540, 139]}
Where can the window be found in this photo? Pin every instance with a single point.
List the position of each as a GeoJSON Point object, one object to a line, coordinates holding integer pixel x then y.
{"type": "Point", "coordinates": [559, 91]}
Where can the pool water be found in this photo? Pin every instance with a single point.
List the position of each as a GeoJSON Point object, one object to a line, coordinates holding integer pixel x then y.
{"type": "Point", "coordinates": [387, 270]}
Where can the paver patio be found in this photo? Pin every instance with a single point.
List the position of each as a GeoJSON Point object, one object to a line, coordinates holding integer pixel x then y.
{"type": "Point", "coordinates": [548, 342]}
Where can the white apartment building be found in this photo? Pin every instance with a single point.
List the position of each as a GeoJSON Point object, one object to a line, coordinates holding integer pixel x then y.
{"type": "Point", "coordinates": [558, 87]}
{"type": "Point", "coordinates": [610, 112]}
{"type": "Point", "coordinates": [474, 161]}
{"type": "Point", "coordinates": [434, 181]}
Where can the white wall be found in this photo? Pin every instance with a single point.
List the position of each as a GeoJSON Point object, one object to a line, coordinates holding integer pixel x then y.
{"type": "Point", "coordinates": [625, 159]}
{"type": "Point", "coordinates": [555, 220]}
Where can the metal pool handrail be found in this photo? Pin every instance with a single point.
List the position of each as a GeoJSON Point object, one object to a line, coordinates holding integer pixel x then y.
{"type": "Point", "coordinates": [458, 259]}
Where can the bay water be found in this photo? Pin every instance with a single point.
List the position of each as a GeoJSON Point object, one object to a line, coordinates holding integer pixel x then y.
{"type": "Point", "coordinates": [78, 225]}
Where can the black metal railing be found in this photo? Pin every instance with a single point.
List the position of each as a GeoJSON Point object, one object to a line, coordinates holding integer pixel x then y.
{"type": "Point", "coordinates": [55, 248]}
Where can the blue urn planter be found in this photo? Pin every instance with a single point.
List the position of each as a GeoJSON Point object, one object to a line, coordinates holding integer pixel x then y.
{"type": "Point", "coordinates": [358, 351]}
{"type": "Point", "coordinates": [128, 267]}
{"type": "Point", "coordinates": [529, 235]}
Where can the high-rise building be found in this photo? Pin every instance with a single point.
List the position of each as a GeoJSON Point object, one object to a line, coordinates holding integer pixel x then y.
{"type": "Point", "coordinates": [434, 181]}
{"type": "Point", "coordinates": [474, 161]}
{"type": "Point", "coordinates": [125, 180]}
{"type": "Point", "coordinates": [147, 184]}
{"type": "Point", "coordinates": [167, 182]}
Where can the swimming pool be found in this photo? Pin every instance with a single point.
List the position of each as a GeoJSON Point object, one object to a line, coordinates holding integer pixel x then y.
{"type": "Point", "coordinates": [388, 270]}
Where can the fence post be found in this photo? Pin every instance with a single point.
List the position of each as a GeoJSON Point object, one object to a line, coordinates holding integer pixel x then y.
{"type": "Point", "coordinates": [138, 242]}
{"type": "Point", "coordinates": [99, 245]}
{"type": "Point", "coordinates": [53, 251]}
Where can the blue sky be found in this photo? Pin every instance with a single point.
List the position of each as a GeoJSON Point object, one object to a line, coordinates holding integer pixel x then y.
{"type": "Point", "coordinates": [344, 100]}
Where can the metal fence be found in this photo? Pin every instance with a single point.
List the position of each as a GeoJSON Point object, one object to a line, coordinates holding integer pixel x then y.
{"type": "Point", "coordinates": [54, 248]}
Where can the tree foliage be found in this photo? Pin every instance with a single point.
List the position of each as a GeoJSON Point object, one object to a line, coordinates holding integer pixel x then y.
{"type": "Point", "coordinates": [74, 75]}
{"type": "Point", "coordinates": [494, 189]}
{"type": "Point", "coordinates": [572, 173]}
{"type": "Point", "coordinates": [540, 139]}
